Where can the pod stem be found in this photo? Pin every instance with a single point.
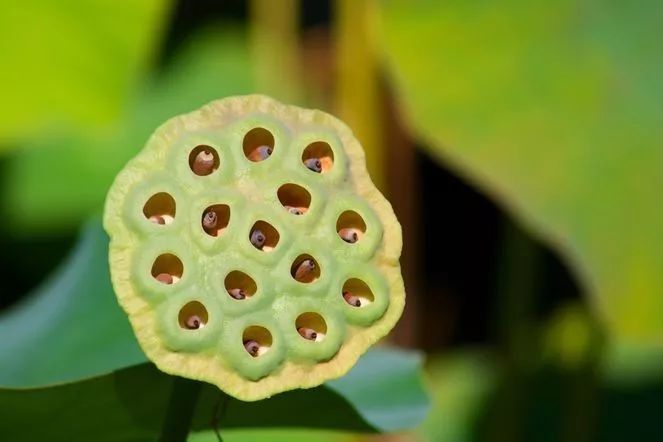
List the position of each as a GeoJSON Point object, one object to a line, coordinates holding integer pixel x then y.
{"type": "Point", "coordinates": [181, 406]}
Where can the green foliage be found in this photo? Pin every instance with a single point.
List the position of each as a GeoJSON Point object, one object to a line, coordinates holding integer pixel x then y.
{"type": "Point", "coordinates": [80, 166]}
{"type": "Point", "coordinates": [555, 109]}
{"type": "Point", "coordinates": [72, 330]}
{"type": "Point", "coordinates": [72, 61]}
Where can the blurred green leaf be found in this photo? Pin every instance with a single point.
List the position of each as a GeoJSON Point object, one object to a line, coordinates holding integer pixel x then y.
{"type": "Point", "coordinates": [72, 61]}
{"type": "Point", "coordinates": [272, 435]}
{"type": "Point", "coordinates": [555, 109]}
{"type": "Point", "coordinates": [459, 384]}
{"type": "Point", "coordinates": [72, 328]}
{"type": "Point", "coordinates": [79, 168]}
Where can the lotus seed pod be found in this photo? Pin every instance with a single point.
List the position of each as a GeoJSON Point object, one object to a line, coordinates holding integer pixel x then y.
{"type": "Point", "coordinates": [251, 250]}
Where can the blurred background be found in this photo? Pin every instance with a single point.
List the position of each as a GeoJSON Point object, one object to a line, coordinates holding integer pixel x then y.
{"type": "Point", "coordinates": [521, 146]}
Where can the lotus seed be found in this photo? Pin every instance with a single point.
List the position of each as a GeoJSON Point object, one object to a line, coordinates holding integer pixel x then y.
{"type": "Point", "coordinates": [304, 270]}
{"type": "Point", "coordinates": [204, 163]}
{"type": "Point", "coordinates": [193, 322]}
{"type": "Point", "coordinates": [237, 293]}
{"type": "Point", "coordinates": [294, 210]}
{"type": "Point", "coordinates": [257, 239]}
{"type": "Point", "coordinates": [352, 299]}
{"type": "Point", "coordinates": [158, 219]}
{"type": "Point", "coordinates": [314, 164]}
{"type": "Point", "coordinates": [252, 347]}
{"type": "Point", "coordinates": [307, 333]}
{"type": "Point", "coordinates": [164, 278]}
{"type": "Point", "coordinates": [260, 153]}
{"type": "Point", "coordinates": [349, 235]}
{"type": "Point", "coordinates": [209, 222]}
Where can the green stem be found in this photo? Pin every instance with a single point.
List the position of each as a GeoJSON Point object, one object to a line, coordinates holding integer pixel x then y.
{"type": "Point", "coordinates": [181, 407]}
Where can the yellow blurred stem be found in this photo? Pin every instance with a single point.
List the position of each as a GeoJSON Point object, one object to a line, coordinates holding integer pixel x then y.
{"type": "Point", "coordinates": [357, 88]}
{"type": "Point", "coordinates": [274, 45]}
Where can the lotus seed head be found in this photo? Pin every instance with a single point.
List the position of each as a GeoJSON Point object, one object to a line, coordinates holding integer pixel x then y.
{"type": "Point", "coordinates": [314, 164]}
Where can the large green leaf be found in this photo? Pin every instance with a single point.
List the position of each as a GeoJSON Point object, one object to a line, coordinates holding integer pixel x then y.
{"type": "Point", "coordinates": [79, 167]}
{"type": "Point", "coordinates": [73, 329]}
{"type": "Point", "coordinates": [72, 61]}
{"type": "Point", "coordinates": [554, 108]}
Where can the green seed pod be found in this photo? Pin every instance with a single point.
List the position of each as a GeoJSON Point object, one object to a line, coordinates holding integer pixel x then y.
{"type": "Point", "coordinates": [251, 250]}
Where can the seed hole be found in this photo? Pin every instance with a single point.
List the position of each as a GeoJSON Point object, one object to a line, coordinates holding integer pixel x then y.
{"type": "Point", "coordinates": [258, 144]}
{"type": "Point", "coordinates": [311, 326]}
{"type": "Point", "coordinates": [193, 316]}
{"type": "Point", "coordinates": [350, 226]}
{"type": "Point", "coordinates": [318, 157]}
{"type": "Point", "coordinates": [294, 198]}
{"type": "Point", "coordinates": [167, 269]}
{"type": "Point", "coordinates": [305, 269]}
{"type": "Point", "coordinates": [160, 208]}
{"type": "Point", "coordinates": [215, 219]}
{"type": "Point", "coordinates": [264, 236]}
{"type": "Point", "coordinates": [357, 293]}
{"type": "Point", "coordinates": [239, 285]}
{"type": "Point", "coordinates": [203, 160]}
{"type": "Point", "coordinates": [257, 340]}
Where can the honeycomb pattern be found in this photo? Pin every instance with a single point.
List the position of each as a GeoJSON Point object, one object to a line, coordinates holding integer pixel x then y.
{"type": "Point", "coordinates": [250, 249]}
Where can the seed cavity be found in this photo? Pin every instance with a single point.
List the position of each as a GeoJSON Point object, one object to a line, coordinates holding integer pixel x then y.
{"type": "Point", "coordinates": [239, 285]}
{"type": "Point", "coordinates": [294, 198]}
{"type": "Point", "coordinates": [257, 340]}
{"type": "Point", "coordinates": [311, 326]}
{"type": "Point", "coordinates": [215, 219]}
{"type": "Point", "coordinates": [357, 293]}
{"type": "Point", "coordinates": [167, 269]}
{"type": "Point", "coordinates": [258, 144]}
{"type": "Point", "coordinates": [350, 226]}
{"type": "Point", "coordinates": [193, 316]}
{"type": "Point", "coordinates": [160, 208]}
{"type": "Point", "coordinates": [203, 160]}
{"type": "Point", "coordinates": [305, 269]}
{"type": "Point", "coordinates": [263, 236]}
{"type": "Point", "coordinates": [318, 157]}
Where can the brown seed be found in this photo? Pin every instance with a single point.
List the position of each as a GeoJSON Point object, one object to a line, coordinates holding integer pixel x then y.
{"type": "Point", "coordinates": [204, 163]}
{"type": "Point", "coordinates": [257, 238]}
{"type": "Point", "coordinates": [314, 164]}
{"type": "Point", "coordinates": [304, 270]}
{"type": "Point", "coordinates": [158, 219]}
{"type": "Point", "coordinates": [307, 333]}
{"type": "Point", "coordinates": [260, 153]}
{"type": "Point", "coordinates": [193, 322]}
{"type": "Point", "coordinates": [209, 222]}
{"type": "Point", "coordinates": [349, 235]}
{"type": "Point", "coordinates": [352, 299]}
{"type": "Point", "coordinates": [295, 210]}
{"type": "Point", "coordinates": [164, 278]}
{"type": "Point", "coordinates": [252, 347]}
{"type": "Point", "coordinates": [237, 293]}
